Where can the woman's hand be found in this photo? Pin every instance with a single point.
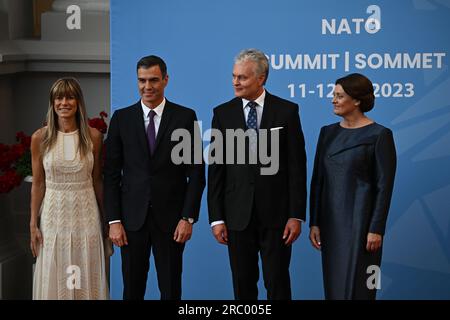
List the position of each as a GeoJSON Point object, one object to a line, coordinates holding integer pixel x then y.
{"type": "Point", "coordinates": [36, 240]}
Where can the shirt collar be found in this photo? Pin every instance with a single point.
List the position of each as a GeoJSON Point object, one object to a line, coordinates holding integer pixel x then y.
{"type": "Point", "coordinates": [259, 100]}
{"type": "Point", "coordinates": [158, 110]}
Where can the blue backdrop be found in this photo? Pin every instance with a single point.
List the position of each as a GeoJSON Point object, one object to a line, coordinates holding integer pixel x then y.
{"type": "Point", "coordinates": [402, 46]}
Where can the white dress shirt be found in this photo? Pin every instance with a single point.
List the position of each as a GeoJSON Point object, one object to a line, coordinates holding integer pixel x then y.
{"type": "Point", "coordinates": [157, 118]}
{"type": "Point", "coordinates": [259, 108]}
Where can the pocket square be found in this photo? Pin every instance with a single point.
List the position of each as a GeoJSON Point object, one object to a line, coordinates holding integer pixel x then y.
{"type": "Point", "coordinates": [276, 128]}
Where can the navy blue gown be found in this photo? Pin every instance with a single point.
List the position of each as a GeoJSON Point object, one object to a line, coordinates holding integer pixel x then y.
{"type": "Point", "coordinates": [351, 190]}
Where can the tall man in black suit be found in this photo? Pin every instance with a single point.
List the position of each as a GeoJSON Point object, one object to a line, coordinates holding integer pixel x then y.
{"type": "Point", "coordinates": [150, 202]}
{"type": "Point", "coordinates": [251, 212]}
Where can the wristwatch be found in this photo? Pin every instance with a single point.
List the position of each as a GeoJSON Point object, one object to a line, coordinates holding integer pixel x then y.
{"type": "Point", "coordinates": [190, 220]}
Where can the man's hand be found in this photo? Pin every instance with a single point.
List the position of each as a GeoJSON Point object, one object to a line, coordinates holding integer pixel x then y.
{"type": "Point", "coordinates": [314, 237]}
{"type": "Point", "coordinates": [220, 232]}
{"type": "Point", "coordinates": [117, 234]}
{"type": "Point", "coordinates": [292, 231]}
{"type": "Point", "coordinates": [374, 241]}
{"type": "Point", "coordinates": [183, 232]}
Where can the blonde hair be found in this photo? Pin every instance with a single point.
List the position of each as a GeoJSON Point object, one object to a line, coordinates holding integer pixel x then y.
{"type": "Point", "coordinates": [67, 87]}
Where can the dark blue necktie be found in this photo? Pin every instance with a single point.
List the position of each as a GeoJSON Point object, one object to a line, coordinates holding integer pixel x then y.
{"type": "Point", "coordinates": [151, 132]}
{"type": "Point", "coordinates": [252, 124]}
{"type": "Point", "coordinates": [252, 118]}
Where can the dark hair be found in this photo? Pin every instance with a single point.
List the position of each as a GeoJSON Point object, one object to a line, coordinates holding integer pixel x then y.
{"type": "Point", "coordinates": [150, 61]}
{"type": "Point", "coordinates": [358, 87]}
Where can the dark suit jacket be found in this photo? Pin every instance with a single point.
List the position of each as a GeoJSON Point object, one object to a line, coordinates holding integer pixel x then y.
{"type": "Point", "coordinates": [133, 180]}
{"type": "Point", "coordinates": [235, 191]}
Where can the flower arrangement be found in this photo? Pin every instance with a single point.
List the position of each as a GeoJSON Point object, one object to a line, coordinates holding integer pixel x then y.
{"type": "Point", "coordinates": [99, 123]}
{"type": "Point", "coordinates": [15, 160]}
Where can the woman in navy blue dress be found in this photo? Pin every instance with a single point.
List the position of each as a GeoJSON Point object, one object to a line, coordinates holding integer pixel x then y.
{"type": "Point", "coordinates": [351, 189]}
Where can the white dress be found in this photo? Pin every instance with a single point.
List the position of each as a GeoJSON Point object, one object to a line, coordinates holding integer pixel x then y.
{"type": "Point", "coordinates": [71, 261]}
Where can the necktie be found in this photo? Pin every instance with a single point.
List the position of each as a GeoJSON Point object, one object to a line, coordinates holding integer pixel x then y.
{"type": "Point", "coordinates": [151, 132]}
{"type": "Point", "coordinates": [252, 121]}
{"type": "Point", "coordinates": [252, 116]}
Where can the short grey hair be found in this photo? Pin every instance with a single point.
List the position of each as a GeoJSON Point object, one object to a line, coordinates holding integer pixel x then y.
{"type": "Point", "coordinates": [257, 56]}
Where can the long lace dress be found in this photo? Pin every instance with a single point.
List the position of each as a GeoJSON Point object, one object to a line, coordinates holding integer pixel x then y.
{"type": "Point", "coordinates": [71, 261]}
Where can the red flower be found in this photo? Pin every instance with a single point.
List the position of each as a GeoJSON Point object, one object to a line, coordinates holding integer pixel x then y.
{"type": "Point", "coordinates": [10, 154]}
{"type": "Point", "coordinates": [18, 150]}
{"type": "Point", "coordinates": [5, 160]}
{"type": "Point", "coordinates": [99, 123]}
{"type": "Point", "coordinates": [9, 180]}
{"type": "Point", "coordinates": [15, 162]}
{"type": "Point", "coordinates": [23, 139]}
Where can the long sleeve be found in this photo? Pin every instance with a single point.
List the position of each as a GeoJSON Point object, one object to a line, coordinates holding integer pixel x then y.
{"type": "Point", "coordinates": [113, 171]}
{"type": "Point", "coordinates": [195, 173]}
{"type": "Point", "coordinates": [216, 174]}
{"type": "Point", "coordinates": [385, 167]}
{"type": "Point", "coordinates": [296, 167]}
{"type": "Point", "coordinates": [316, 185]}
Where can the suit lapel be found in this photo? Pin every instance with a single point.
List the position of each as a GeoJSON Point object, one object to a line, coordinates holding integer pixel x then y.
{"type": "Point", "coordinates": [167, 114]}
{"type": "Point", "coordinates": [139, 126]}
{"type": "Point", "coordinates": [237, 114]}
{"type": "Point", "coordinates": [238, 117]}
{"type": "Point", "coordinates": [268, 112]}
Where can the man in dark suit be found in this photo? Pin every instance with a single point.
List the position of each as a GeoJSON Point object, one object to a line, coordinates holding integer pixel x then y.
{"type": "Point", "coordinates": [151, 202]}
{"type": "Point", "coordinates": [251, 212]}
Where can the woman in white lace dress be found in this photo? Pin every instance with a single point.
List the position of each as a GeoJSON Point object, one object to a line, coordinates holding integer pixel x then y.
{"type": "Point", "coordinates": [66, 224]}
